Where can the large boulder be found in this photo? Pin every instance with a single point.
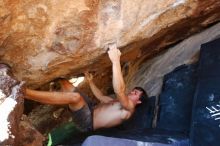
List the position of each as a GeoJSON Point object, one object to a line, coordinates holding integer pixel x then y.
{"type": "Point", "coordinates": [11, 107]}
{"type": "Point", "coordinates": [42, 40]}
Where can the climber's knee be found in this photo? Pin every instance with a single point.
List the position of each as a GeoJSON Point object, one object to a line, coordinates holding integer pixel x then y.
{"type": "Point", "coordinates": [77, 101]}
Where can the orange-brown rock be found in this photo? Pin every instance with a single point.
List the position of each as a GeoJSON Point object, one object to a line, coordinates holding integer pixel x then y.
{"type": "Point", "coordinates": [42, 40]}
{"type": "Point", "coordinates": [28, 134]}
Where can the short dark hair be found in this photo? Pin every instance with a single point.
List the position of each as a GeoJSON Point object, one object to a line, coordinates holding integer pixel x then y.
{"type": "Point", "coordinates": [144, 96]}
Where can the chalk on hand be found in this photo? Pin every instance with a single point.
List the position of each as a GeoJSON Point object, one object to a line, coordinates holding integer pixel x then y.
{"type": "Point", "coordinates": [110, 46]}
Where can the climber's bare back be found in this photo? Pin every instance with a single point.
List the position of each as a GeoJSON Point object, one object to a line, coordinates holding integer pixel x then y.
{"type": "Point", "coordinates": [109, 114]}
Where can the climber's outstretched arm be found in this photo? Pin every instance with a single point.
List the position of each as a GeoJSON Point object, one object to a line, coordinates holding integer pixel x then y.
{"type": "Point", "coordinates": [118, 81]}
{"type": "Point", "coordinates": [95, 90]}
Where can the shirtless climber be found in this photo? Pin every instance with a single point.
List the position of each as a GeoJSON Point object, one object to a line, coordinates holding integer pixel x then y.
{"type": "Point", "coordinates": [110, 112]}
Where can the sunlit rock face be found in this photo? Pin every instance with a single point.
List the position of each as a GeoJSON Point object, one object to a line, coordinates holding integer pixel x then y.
{"type": "Point", "coordinates": [42, 40]}
{"type": "Point", "coordinates": [149, 74]}
{"type": "Point", "coordinates": [11, 107]}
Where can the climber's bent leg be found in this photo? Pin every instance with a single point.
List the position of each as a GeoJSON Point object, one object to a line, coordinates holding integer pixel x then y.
{"type": "Point", "coordinates": [81, 113]}
{"type": "Point", "coordinates": [74, 100]}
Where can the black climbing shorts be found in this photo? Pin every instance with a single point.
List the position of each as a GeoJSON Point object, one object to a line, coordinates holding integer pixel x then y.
{"type": "Point", "coordinates": [83, 119]}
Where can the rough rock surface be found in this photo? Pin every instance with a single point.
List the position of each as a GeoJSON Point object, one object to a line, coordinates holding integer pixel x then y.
{"type": "Point", "coordinates": [46, 117]}
{"type": "Point", "coordinates": [45, 39]}
{"type": "Point", "coordinates": [11, 107]}
{"type": "Point", "coordinates": [150, 74]}
{"type": "Point", "coordinates": [28, 135]}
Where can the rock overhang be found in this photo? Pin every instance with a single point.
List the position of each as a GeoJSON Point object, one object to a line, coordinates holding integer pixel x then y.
{"type": "Point", "coordinates": [43, 40]}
